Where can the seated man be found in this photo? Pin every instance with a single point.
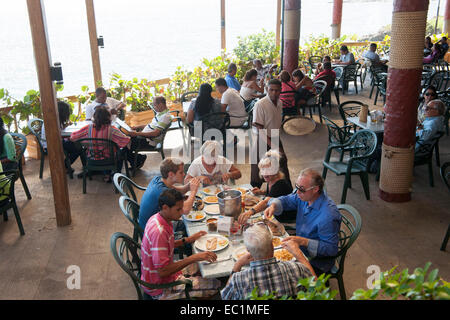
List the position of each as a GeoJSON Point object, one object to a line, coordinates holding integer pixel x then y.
{"type": "Point", "coordinates": [154, 131]}
{"type": "Point", "coordinates": [444, 46]}
{"type": "Point", "coordinates": [319, 67]}
{"type": "Point", "coordinates": [232, 103]}
{"type": "Point", "coordinates": [372, 55]}
{"type": "Point", "coordinates": [318, 219]}
{"type": "Point", "coordinates": [172, 172]}
{"type": "Point", "coordinates": [230, 77]}
{"type": "Point", "coordinates": [211, 167]}
{"type": "Point", "coordinates": [346, 57]}
{"type": "Point", "coordinates": [112, 104]}
{"type": "Point", "coordinates": [263, 70]}
{"type": "Point", "coordinates": [265, 271]}
{"type": "Point", "coordinates": [432, 125]}
{"type": "Point", "coordinates": [327, 74]}
{"type": "Point", "coordinates": [157, 265]}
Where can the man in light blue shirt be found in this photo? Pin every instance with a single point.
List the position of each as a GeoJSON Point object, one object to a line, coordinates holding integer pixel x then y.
{"type": "Point", "coordinates": [346, 56]}
{"type": "Point", "coordinates": [432, 125]}
{"type": "Point", "coordinates": [230, 79]}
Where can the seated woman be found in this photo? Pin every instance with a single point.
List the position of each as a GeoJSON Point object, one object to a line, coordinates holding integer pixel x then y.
{"type": "Point", "coordinates": [304, 85]}
{"type": "Point", "coordinates": [101, 128]}
{"type": "Point", "coordinates": [429, 95]}
{"type": "Point", "coordinates": [277, 185]}
{"type": "Point", "coordinates": [203, 104]}
{"type": "Point", "coordinates": [320, 68]}
{"type": "Point", "coordinates": [211, 167]}
{"type": "Point", "coordinates": [435, 54]}
{"type": "Point", "coordinates": [287, 95]}
{"type": "Point", "coordinates": [250, 89]}
{"type": "Point", "coordinates": [7, 148]}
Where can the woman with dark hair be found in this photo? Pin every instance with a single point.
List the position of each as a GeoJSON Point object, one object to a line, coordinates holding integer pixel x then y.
{"type": "Point", "coordinates": [429, 95]}
{"type": "Point", "coordinates": [287, 95]}
{"type": "Point", "coordinates": [250, 89]}
{"type": "Point", "coordinates": [7, 149]}
{"type": "Point", "coordinates": [304, 85]}
{"type": "Point", "coordinates": [101, 129]}
{"type": "Point", "coordinates": [435, 54]}
{"type": "Point", "coordinates": [203, 104]}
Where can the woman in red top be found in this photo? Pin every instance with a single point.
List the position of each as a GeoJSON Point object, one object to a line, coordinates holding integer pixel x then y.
{"type": "Point", "coordinates": [288, 92]}
{"type": "Point", "coordinates": [304, 86]}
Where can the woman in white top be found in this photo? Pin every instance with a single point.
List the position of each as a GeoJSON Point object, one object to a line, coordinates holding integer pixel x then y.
{"type": "Point", "coordinates": [211, 167]}
{"type": "Point", "coordinates": [249, 88]}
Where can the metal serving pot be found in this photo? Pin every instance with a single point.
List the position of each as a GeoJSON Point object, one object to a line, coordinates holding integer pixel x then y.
{"type": "Point", "coordinates": [230, 203]}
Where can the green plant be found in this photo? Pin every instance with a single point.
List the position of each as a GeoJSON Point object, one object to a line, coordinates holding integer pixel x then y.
{"type": "Point", "coordinates": [257, 46]}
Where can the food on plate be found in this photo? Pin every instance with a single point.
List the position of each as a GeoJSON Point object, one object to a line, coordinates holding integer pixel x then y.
{"type": "Point", "coordinates": [283, 255]}
{"type": "Point", "coordinates": [198, 216]}
{"type": "Point", "coordinates": [276, 242]}
{"type": "Point", "coordinates": [276, 228]}
{"type": "Point", "coordinates": [211, 244]}
{"type": "Point", "coordinates": [223, 242]}
{"type": "Point", "coordinates": [198, 205]}
{"type": "Point", "coordinates": [212, 209]}
{"type": "Point", "coordinates": [242, 190]}
{"type": "Point", "coordinates": [211, 190]}
{"type": "Point", "coordinates": [211, 199]}
{"type": "Point", "coordinates": [250, 200]}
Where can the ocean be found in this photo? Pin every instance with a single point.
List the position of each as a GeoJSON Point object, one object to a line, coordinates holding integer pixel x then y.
{"type": "Point", "coordinates": [149, 39]}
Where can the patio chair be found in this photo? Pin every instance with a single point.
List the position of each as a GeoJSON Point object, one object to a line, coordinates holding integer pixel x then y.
{"type": "Point", "coordinates": [445, 175]}
{"type": "Point", "coordinates": [326, 96]}
{"type": "Point", "coordinates": [362, 72]}
{"type": "Point", "coordinates": [308, 67]}
{"type": "Point", "coordinates": [350, 229]}
{"type": "Point", "coordinates": [444, 96]}
{"type": "Point", "coordinates": [362, 144]}
{"type": "Point", "coordinates": [126, 186]}
{"type": "Point", "coordinates": [381, 84]}
{"type": "Point", "coordinates": [248, 123]}
{"type": "Point", "coordinates": [144, 146]}
{"type": "Point", "coordinates": [178, 124]}
{"type": "Point", "coordinates": [339, 72]}
{"type": "Point", "coordinates": [438, 80]}
{"type": "Point", "coordinates": [338, 135]}
{"type": "Point", "coordinates": [316, 100]}
{"type": "Point", "coordinates": [427, 72]}
{"type": "Point", "coordinates": [314, 61]}
{"type": "Point", "coordinates": [99, 155]}
{"type": "Point", "coordinates": [130, 209]}
{"type": "Point", "coordinates": [350, 109]}
{"type": "Point", "coordinates": [127, 254]}
{"type": "Point", "coordinates": [424, 155]}
{"type": "Point", "coordinates": [350, 75]}
{"type": "Point", "coordinates": [375, 70]}
{"type": "Point", "coordinates": [21, 144]}
{"type": "Point", "coordinates": [35, 126]}
{"type": "Point", "coordinates": [7, 197]}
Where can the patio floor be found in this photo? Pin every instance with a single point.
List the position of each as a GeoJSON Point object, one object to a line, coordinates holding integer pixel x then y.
{"type": "Point", "coordinates": [34, 266]}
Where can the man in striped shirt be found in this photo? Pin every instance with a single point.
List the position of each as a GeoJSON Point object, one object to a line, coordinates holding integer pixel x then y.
{"type": "Point", "coordinates": [157, 251]}
{"type": "Point", "coordinates": [266, 273]}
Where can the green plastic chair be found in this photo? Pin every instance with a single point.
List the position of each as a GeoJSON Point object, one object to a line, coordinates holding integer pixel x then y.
{"type": "Point", "coordinates": [35, 126]}
{"type": "Point", "coordinates": [445, 175]}
{"type": "Point", "coordinates": [362, 144]}
{"type": "Point", "coordinates": [350, 229]}
{"type": "Point", "coordinates": [130, 209]}
{"type": "Point", "coordinates": [21, 144]}
{"type": "Point", "coordinates": [99, 155]}
{"type": "Point", "coordinates": [126, 186]}
{"type": "Point", "coordinates": [338, 135]}
{"type": "Point", "coordinates": [7, 197]}
{"type": "Point", "coordinates": [127, 254]}
{"type": "Point", "coordinates": [424, 155]}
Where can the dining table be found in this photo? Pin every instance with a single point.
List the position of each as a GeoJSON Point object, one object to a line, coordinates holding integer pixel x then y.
{"type": "Point", "coordinates": [116, 122]}
{"type": "Point", "coordinates": [225, 261]}
{"type": "Point", "coordinates": [377, 127]}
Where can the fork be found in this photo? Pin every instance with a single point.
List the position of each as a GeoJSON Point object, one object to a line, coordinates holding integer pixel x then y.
{"type": "Point", "coordinates": [219, 260]}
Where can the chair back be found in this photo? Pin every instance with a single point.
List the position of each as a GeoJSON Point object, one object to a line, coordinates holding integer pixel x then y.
{"type": "Point", "coordinates": [126, 186]}
{"type": "Point", "coordinates": [99, 154]}
{"type": "Point", "coordinates": [35, 126]}
{"type": "Point", "coordinates": [130, 209]}
{"type": "Point", "coordinates": [336, 134]}
{"type": "Point", "coordinates": [215, 120]}
{"type": "Point", "coordinates": [21, 144]}
{"type": "Point", "coordinates": [7, 179]}
{"type": "Point", "coordinates": [351, 71]}
{"type": "Point", "coordinates": [424, 152]}
{"type": "Point", "coordinates": [188, 96]}
{"type": "Point", "coordinates": [307, 66]}
{"type": "Point", "coordinates": [363, 144]}
{"type": "Point", "coordinates": [438, 80]}
{"type": "Point", "coordinates": [339, 72]}
{"type": "Point", "coordinates": [350, 109]}
{"type": "Point", "coordinates": [321, 86]}
{"type": "Point", "coordinates": [445, 174]}
{"type": "Point", "coordinates": [314, 61]}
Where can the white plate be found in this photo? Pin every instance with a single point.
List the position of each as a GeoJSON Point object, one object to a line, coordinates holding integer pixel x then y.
{"type": "Point", "coordinates": [210, 190]}
{"type": "Point", "coordinates": [279, 246]}
{"type": "Point", "coordinates": [293, 258]}
{"type": "Point", "coordinates": [238, 251]}
{"type": "Point", "coordinates": [192, 214]}
{"type": "Point", "coordinates": [201, 243]}
{"type": "Point", "coordinates": [205, 200]}
{"type": "Point", "coordinates": [212, 209]}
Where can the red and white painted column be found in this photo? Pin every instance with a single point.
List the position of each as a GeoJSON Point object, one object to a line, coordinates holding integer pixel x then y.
{"type": "Point", "coordinates": [337, 19]}
{"type": "Point", "coordinates": [405, 72]}
{"type": "Point", "coordinates": [291, 25]}
{"type": "Point", "coordinates": [446, 28]}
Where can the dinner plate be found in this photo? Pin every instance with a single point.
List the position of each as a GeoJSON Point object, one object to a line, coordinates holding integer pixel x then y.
{"type": "Point", "coordinates": [238, 252]}
{"type": "Point", "coordinates": [212, 209]}
{"type": "Point", "coordinates": [210, 200]}
{"type": "Point", "coordinates": [201, 242]}
{"type": "Point", "coordinates": [195, 216]}
{"type": "Point", "coordinates": [284, 252]}
{"type": "Point", "coordinates": [276, 241]}
{"type": "Point", "coordinates": [211, 190]}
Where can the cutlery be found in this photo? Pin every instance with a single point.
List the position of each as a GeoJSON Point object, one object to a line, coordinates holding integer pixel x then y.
{"type": "Point", "coordinates": [219, 260]}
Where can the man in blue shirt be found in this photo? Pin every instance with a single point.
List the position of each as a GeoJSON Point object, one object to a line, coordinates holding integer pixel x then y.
{"type": "Point", "coordinates": [230, 79]}
{"type": "Point", "coordinates": [318, 219]}
{"type": "Point", "coordinates": [172, 172]}
{"type": "Point", "coordinates": [432, 125]}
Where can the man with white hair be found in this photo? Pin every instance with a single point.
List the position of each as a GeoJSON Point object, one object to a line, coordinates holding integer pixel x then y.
{"type": "Point", "coordinates": [432, 125]}
{"type": "Point", "coordinates": [263, 70]}
{"type": "Point", "coordinates": [211, 167]}
{"type": "Point", "coordinates": [265, 272]}
{"type": "Point", "coordinates": [318, 219]}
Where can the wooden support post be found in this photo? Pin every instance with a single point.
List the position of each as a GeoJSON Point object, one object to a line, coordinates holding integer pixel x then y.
{"type": "Point", "coordinates": [278, 24]}
{"type": "Point", "coordinates": [409, 19]}
{"type": "Point", "coordinates": [92, 26]}
{"type": "Point", "coordinates": [291, 26]}
{"type": "Point", "coordinates": [446, 28]}
{"type": "Point", "coordinates": [50, 111]}
{"type": "Point", "coordinates": [222, 24]}
{"type": "Point", "coordinates": [337, 19]}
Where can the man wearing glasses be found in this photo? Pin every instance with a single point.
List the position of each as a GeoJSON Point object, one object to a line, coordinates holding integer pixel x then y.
{"type": "Point", "coordinates": [432, 125]}
{"type": "Point", "coordinates": [318, 219]}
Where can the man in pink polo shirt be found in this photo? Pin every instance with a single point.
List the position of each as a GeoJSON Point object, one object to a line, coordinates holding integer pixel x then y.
{"type": "Point", "coordinates": [157, 250]}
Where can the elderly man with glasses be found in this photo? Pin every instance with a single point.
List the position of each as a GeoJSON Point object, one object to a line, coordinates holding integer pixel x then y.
{"type": "Point", "coordinates": [318, 219]}
{"type": "Point", "coordinates": [265, 272]}
{"type": "Point", "coordinates": [432, 125]}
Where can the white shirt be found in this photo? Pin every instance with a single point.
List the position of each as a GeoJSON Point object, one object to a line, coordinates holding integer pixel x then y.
{"type": "Point", "coordinates": [267, 114]}
{"type": "Point", "coordinates": [196, 168]}
{"type": "Point", "coordinates": [110, 102]}
{"type": "Point", "coordinates": [161, 121]}
{"type": "Point", "coordinates": [235, 106]}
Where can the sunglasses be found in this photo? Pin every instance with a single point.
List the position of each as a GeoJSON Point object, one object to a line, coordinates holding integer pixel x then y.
{"type": "Point", "coordinates": [430, 94]}
{"type": "Point", "coordinates": [302, 189]}
{"type": "Point", "coordinates": [429, 108]}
